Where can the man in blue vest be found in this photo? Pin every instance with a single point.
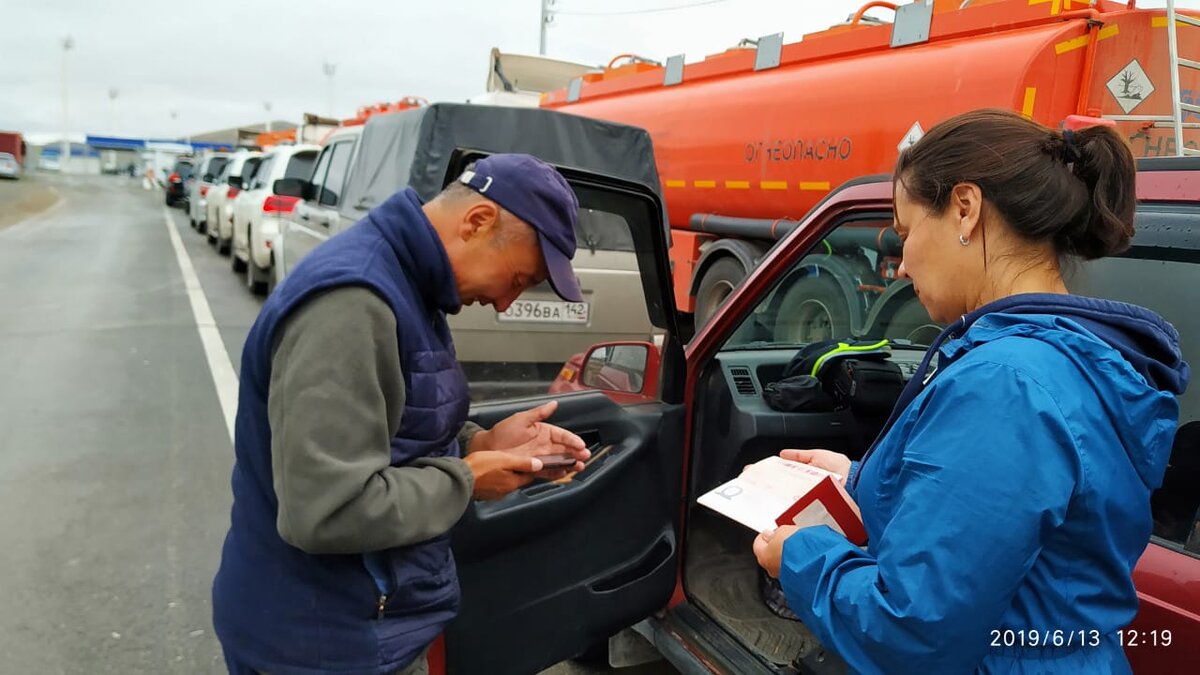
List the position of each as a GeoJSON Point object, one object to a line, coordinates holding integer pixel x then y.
{"type": "Point", "coordinates": [353, 455]}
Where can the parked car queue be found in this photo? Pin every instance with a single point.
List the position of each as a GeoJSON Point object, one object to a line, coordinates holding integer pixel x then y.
{"type": "Point", "coordinates": [230, 198]}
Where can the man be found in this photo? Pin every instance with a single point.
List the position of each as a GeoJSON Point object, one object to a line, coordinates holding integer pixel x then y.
{"type": "Point", "coordinates": [350, 425]}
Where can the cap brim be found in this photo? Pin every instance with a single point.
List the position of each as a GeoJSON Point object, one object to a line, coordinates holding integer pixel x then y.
{"type": "Point", "coordinates": [562, 276]}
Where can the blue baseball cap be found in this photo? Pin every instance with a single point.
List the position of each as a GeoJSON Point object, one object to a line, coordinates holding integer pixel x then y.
{"type": "Point", "coordinates": [535, 192]}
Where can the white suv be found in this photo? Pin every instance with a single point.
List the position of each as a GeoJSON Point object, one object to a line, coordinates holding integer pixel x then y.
{"type": "Point", "coordinates": [317, 218]}
{"type": "Point", "coordinates": [257, 211]}
{"type": "Point", "coordinates": [205, 179]}
{"type": "Point", "coordinates": [220, 207]}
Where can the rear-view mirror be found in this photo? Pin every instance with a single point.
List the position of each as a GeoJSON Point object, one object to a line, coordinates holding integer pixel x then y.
{"type": "Point", "coordinates": [620, 367]}
{"type": "Point", "coordinates": [293, 187]}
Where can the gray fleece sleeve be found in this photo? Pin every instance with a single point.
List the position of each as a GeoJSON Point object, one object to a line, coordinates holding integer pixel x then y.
{"type": "Point", "coordinates": [336, 399]}
{"type": "Point", "coordinates": [467, 434]}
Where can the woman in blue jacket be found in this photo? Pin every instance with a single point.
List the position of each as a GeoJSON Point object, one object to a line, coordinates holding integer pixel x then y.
{"type": "Point", "coordinates": [1008, 499]}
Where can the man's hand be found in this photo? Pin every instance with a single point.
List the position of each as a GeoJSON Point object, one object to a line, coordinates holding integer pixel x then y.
{"type": "Point", "coordinates": [499, 473]}
{"type": "Point", "coordinates": [768, 548]}
{"type": "Point", "coordinates": [526, 434]}
{"type": "Point", "coordinates": [834, 462]}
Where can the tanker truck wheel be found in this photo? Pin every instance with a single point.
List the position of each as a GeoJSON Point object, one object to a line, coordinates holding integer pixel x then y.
{"type": "Point", "coordinates": [716, 287]}
{"type": "Point", "coordinates": [911, 322]}
{"type": "Point", "coordinates": [812, 309]}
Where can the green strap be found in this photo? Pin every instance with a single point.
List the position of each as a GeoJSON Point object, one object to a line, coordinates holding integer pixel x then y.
{"type": "Point", "coordinates": [844, 348]}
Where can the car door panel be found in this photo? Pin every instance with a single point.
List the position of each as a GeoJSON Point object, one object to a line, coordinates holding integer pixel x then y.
{"type": "Point", "coordinates": [628, 439]}
{"type": "Point", "coordinates": [555, 568]}
{"type": "Point", "coordinates": [544, 539]}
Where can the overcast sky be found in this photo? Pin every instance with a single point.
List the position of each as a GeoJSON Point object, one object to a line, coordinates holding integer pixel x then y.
{"type": "Point", "coordinates": [214, 64]}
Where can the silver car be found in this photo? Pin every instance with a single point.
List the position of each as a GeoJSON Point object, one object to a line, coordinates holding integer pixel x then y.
{"type": "Point", "coordinates": [9, 168]}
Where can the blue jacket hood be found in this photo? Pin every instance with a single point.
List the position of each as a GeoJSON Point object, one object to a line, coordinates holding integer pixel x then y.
{"type": "Point", "coordinates": [1143, 338]}
{"type": "Point", "coordinates": [1124, 351]}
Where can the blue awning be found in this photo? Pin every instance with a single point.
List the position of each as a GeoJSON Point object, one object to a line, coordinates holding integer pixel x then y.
{"type": "Point", "coordinates": [77, 150]}
{"type": "Point", "coordinates": [118, 143]}
{"type": "Point", "coordinates": [115, 143]}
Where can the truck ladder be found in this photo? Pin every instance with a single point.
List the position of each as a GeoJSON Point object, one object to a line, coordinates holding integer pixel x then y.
{"type": "Point", "coordinates": [1177, 104]}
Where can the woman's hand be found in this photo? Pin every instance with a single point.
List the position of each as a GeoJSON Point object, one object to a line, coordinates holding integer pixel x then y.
{"type": "Point", "coordinates": [833, 462]}
{"type": "Point", "coordinates": [768, 548]}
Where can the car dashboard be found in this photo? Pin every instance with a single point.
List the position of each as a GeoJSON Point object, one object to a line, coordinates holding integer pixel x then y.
{"type": "Point", "coordinates": [738, 427]}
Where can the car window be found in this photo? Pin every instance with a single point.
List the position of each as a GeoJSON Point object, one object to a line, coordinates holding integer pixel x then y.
{"type": "Point", "coordinates": [846, 288]}
{"type": "Point", "coordinates": [216, 166]}
{"type": "Point", "coordinates": [300, 165]}
{"type": "Point", "coordinates": [601, 231]}
{"type": "Point", "coordinates": [184, 169]}
{"type": "Point", "coordinates": [250, 169]}
{"type": "Point", "coordinates": [339, 165]}
{"type": "Point", "coordinates": [263, 175]}
{"type": "Point", "coordinates": [537, 345]}
{"type": "Point", "coordinates": [322, 167]}
{"type": "Point", "coordinates": [1162, 280]}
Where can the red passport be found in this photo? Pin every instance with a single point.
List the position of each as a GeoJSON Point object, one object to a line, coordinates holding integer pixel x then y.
{"type": "Point", "coordinates": [777, 491]}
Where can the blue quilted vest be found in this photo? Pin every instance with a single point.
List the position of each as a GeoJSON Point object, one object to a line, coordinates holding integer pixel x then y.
{"type": "Point", "coordinates": [284, 611]}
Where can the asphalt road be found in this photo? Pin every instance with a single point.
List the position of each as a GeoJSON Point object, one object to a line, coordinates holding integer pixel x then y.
{"type": "Point", "coordinates": [21, 199]}
{"type": "Point", "coordinates": [114, 453]}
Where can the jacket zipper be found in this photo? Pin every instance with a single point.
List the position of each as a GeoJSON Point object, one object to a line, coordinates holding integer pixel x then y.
{"type": "Point", "coordinates": [385, 581]}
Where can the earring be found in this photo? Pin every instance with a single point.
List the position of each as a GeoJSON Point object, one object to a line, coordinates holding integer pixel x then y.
{"type": "Point", "coordinates": [963, 240]}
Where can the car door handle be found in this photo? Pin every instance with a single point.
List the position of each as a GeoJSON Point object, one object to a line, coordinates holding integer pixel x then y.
{"type": "Point", "coordinates": [651, 561]}
{"type": "Point", "coordinates": [304, 216]}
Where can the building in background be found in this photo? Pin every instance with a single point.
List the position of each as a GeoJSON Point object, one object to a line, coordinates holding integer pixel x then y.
{"type": "Point", "coordinates": [83, 159]}
{"type": "Point", "coordinates": [241, 137]}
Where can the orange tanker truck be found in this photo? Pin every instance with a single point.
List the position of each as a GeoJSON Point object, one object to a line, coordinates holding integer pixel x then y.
{"type": "Point", "coordinates": [749, 140]}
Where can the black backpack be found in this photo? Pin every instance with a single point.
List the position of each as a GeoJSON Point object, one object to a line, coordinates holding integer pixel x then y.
{"type": "Point", "coordinates": [832, 375]}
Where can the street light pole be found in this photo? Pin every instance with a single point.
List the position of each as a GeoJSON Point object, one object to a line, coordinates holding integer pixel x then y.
{"type": "Point", "coordinates": [113, 92]}
{"type": "Point", "coordinates": [547, 17]}
{"type": "Point", "coordinates": [68, 43]}
{"type": "Point", "coordinates": [267, 107]}
{"type": "Point", "coordinates": [330, 69]}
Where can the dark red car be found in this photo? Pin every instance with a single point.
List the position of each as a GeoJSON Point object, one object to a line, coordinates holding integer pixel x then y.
{"type": "Point", "coordinates": [558, 568]}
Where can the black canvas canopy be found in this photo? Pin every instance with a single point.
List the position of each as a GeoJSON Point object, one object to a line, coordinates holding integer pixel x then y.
{"type": "Point", "coordinates": [414, 147]}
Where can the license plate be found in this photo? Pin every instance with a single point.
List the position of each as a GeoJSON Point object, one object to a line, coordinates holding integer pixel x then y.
{"type": "Point", "coordinates": [546, 311]}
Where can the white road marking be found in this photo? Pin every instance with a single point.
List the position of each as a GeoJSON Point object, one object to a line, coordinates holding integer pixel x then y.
{"type": "Point", "coordinates": [224, 377]}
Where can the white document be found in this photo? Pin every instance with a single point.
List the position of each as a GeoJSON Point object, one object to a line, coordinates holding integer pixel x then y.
{"type": "Point", "coordinates": [766, 490]}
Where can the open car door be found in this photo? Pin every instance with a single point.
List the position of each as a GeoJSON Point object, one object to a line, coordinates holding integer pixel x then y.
{"type": "Point", "coordinates": [555, 568]}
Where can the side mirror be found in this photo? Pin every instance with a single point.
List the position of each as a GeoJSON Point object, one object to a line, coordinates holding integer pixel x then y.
{"type": "Point", "coordinates": [236, 182]}
{"type": "Point", "coordinates": [292, 187]}
{"type": "Point", "coordinates": [208, 177]}
{"type": "Point", "coordinates": [623, 367]}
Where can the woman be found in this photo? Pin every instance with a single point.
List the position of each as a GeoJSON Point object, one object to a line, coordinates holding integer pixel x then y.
{"type": "Point", "coordinates": [1008, 498]}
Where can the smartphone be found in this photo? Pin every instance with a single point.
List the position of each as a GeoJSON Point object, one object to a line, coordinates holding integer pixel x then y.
{"type": "Point", "coordinates": [557, 461]}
